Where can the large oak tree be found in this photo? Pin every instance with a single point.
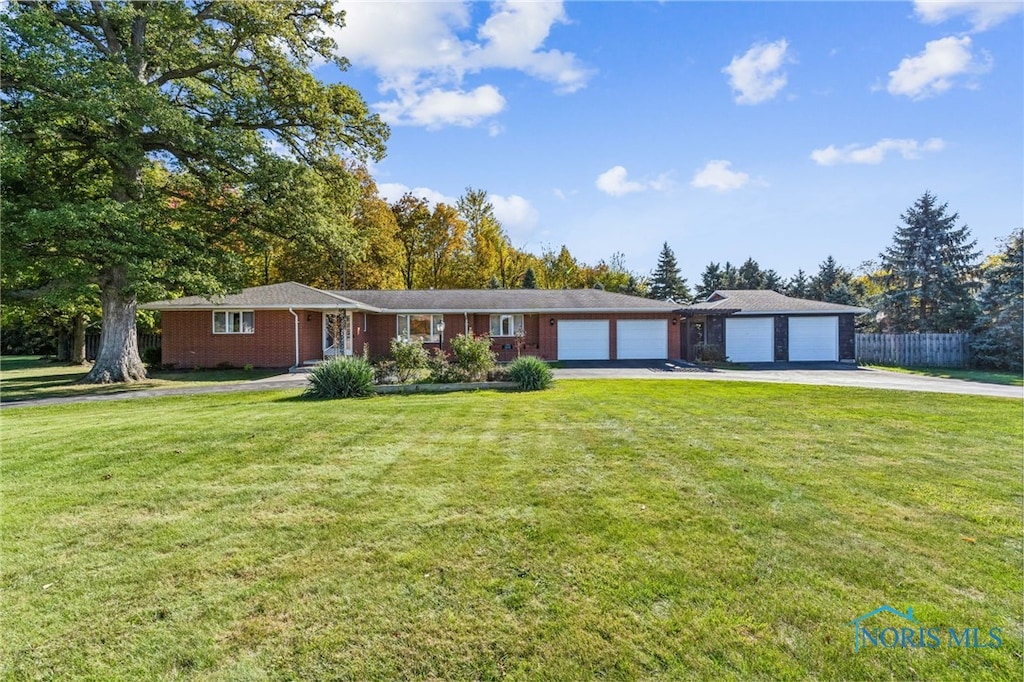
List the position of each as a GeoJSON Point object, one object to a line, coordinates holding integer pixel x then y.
{"type": "Point", "coordinates": [146, 133]}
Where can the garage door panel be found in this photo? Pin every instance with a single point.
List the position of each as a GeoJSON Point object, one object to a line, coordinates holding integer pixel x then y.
{"type": "Point", "coordinates": [814, 339]}
{"type": "Point", "coordinates": [583, 340]}
{"type": "Point", "coordinates": [750, 339]}
{"type": "Point", "coordinates": [641, 339]}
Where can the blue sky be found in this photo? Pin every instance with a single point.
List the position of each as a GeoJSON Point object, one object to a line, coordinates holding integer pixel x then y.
{"type": "Point", "coordinates": [782, 131]}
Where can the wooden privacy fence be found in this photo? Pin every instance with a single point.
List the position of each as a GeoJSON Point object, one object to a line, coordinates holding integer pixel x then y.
{"type": "Point", "coordinates": [92, 344]}
{"type": "Point", "coordinates": [914, 350]}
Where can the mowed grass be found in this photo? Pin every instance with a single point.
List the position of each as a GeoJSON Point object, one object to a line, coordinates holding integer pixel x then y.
{"type": "Point", "coordinates": [30, 377]}
{"type": "Point", "coordinates": [602, 529]}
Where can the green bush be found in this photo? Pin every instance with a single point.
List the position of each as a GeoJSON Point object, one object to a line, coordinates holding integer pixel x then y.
{"type": "Point", "coordinates": [442, 371]}
{"type": "Point", "coordinates": [473, 356]}
{"type": "Point", "coordinates": [385, 372]}
{"type": "Point", "coordinates": [530, 373]}
{"type": "Point", "coordinates": [152, 357]}
{"type": "Point", "coordinates": [710, 352]}
{"type": "Point", "coordinates": [410, 357]}
{"type": "Point", "coordinates": [341, 377]}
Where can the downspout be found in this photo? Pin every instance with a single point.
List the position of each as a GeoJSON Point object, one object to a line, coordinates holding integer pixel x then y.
{"type": "Point", "coordinates": [466, 315]}
{"type": "Point", "coordinates": [296, 316]}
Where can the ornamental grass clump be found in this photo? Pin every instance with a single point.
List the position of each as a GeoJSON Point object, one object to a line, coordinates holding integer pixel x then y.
{"type": "Point", "coordinates": [530, 374]}
{"type": "Point", "coordinates": [342, 377]}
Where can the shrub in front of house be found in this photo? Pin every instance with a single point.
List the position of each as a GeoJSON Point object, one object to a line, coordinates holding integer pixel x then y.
{"type": "Point", "coordinates": [473, 356]}
{"type": "Point", "coordinates": [341, 377]}
{"type": "Point", "coordinates": [710, 352]}
{"type": "Point", "coordinates": [530, 373]}
{"type": "Point", "coordinates": [442, 371]}
{"type": "Point", "coordinates": [409, 357]}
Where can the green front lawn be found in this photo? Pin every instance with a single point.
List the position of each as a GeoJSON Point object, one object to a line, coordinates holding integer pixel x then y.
{"type": "Point", "coordinates": [979, 375]}
{"type": "Point", "coordinates": [27, 377]}
{"type": "Point", "coordinates": [602, 529]}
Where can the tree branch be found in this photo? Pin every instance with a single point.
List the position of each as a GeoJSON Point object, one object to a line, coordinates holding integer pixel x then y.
{"type": "Point", "coordinates": [113, 43]}
{"type": "Point", "coordinates": [80, 29]}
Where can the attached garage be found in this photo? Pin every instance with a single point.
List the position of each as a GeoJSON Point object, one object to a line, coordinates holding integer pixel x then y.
{"type": "Point", "coordinates": [750, 339]}
{"type": "Point", "coordinates": [583, 340]}
{"type": "Point", "coordinates": [814, 338]}
{"type": "Point", "coordinates": [641, 339]}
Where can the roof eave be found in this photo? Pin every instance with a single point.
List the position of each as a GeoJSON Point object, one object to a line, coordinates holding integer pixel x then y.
{"type": "Point", "coordinates": [340, 305]}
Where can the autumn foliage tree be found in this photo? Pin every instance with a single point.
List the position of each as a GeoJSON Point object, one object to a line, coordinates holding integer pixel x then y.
{"type": "Point", "coordinates": [140, 114]}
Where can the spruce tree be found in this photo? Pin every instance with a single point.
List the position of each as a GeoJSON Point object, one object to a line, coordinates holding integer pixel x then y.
{"type": "Point", "coordinates": [750, 275]}
{"type": "Point", "coordinates": [928, 272]}
{"type": "Point", "coordinates": [710, 280]}
{"type": "Point", "coordinates": [665, 280]}
{"type": "Point", "coordinates": [530, 279]}
{"type": "Point", "coordinates": [797, 286]}
{"type": "Point", "coordinates": [999, 339]}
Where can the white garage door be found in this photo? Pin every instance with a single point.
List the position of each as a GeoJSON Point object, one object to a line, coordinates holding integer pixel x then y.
{"type": "Point", "coordinates": [813, 338]}
{"type": "Point", "coordinates": [641, 339]}
{"type": "Point", "coordinates": [750, 339]}
{"type": "Point", "coordinates": [583, 339]}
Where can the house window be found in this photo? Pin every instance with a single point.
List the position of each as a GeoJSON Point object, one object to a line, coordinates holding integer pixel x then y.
{"type": "Point", "coordinates": [421, 328]}
{"type": "Point", "coordinates": [234, 322]}
{"type": "Point", "coordinates": [507, 325]}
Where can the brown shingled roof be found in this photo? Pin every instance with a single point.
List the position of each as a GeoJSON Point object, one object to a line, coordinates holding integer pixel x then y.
{"type": "Point", "coordinates": [293, 295]}
{"type": "Point", "coordinates": [270, 296]}
{"type": "Point", "coordinates": [761, 302]}
{"type": "Point", "coordinates": [506, 300]}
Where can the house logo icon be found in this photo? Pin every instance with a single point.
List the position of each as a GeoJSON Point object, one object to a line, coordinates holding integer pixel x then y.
{"type": "Point", "coordinates": [856, 622]}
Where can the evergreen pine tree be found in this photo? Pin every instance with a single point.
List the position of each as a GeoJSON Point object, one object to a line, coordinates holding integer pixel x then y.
{"type": "Point", "coordinates": [928, 272]}
{"type": "Point", "coordinates": [530, 279]}
{"type": "Point", "coordinates": [710, 280]}
{"type": "Point", "coordinates": [665, 280]}
{"type": "Point", "coordinates": [493, 283]}
{"type": "Point", "coordinates": [798, 285]}
{"type": "Point", "coordinates": [750, 275]}
{"type": "Point", "coordinates": [730, 276]}
{"type": "Point", "coordinates": [999, 339]}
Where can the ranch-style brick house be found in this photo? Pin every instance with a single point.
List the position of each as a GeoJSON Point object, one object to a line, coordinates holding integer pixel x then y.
{"type": "Point", "coordinates": [290, 324]}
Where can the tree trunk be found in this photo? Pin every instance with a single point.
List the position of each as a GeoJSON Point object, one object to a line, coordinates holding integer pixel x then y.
{"type": "Point", "coordinates": [118, 357]}
{"type": "Point", "coordinates": [63, 345]}
{"type": "Point", "coordinates": [78, 341]}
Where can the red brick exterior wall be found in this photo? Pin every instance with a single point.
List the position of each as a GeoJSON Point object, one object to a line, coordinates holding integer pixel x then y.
{"type": "Point", "coordinates": [189, 341]}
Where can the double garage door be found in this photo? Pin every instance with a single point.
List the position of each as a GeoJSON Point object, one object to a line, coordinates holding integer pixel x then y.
{"type": "Point", "coordinates": [634, 339]}
{"type": "Point", "coordinates": [752, 339]}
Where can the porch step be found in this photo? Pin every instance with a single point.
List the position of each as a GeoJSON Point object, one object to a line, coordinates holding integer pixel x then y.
{"type": "Point", "coordinates": [305, 368]}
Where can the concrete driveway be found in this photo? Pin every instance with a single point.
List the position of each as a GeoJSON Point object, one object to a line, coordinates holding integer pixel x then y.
{"type": "Point", "coordinates": [818, 374]}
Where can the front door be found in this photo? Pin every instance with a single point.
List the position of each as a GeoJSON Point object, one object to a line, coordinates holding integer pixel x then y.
{"type": "Point", "coordinates": [337, 334]}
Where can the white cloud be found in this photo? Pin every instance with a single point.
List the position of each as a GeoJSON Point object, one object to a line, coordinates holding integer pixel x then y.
{"type": "Point", "coordinates": [876, 153]}
{"type": "Point", "coordinates": [421, 58]}
{"type": "Point", "coordinates": [933, 71]}
{"type": "Point", "coordinates": [515, 213]}
{"type": "Point", "coordinates": [717, 176]}
{"type": "Point", "coordinates": [393, 191]}
{"type": "Point", "coordinates": [437, 108]}
{"type": "Point", "coordinates": [615, 181]}
{"type": "Point", "coordinates": [757, 75]}
{"type": "Point", "coordinates": [512, 38]}
{"type": "Point", "coordinates": [983, 14]}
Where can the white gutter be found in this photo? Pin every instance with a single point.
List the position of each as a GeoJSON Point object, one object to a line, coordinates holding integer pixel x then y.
{"type": "Point", "coordinates": [296, 316]}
